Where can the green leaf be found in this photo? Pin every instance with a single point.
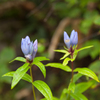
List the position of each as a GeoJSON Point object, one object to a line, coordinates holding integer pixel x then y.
{"type": "Point", "coordinates": [59, 65]}
{"type": "Point", "coordinates": [19, 59]}
{"type": "Point", "coordinates": [63, 94]}
{"type": "Point", "coordinates": [71, 87]}
{"type": "Point", "coordinates": [84, 48]}
{"type": "Point", "coordinates": [40, 59]}
{"type": "Point", "coordinates": [19, 73]}
{"type": "Point", "coordinates": [65, 62]}
{"type": "Point", "coordinates": [83, 86]}
{"type": "Point", "coordinates": [76, 77]}
{"type": "Point", "coordinates": [54, 98]}
{"type": "Point", "coordinates": [41, 66]}
{"type": "Point", "coordinates": [67, 54]}
{"type": "Point", "coordinates": [74, 55]}
{"type": "Point", "coordinates": [44, 89]}
{"type": "Point", "coordinates": [9, 74]}
{"type": "Point", "coordinates": [26, 77]}
{"type": "Point", "coordinates": [95, 66]}
{"type": "Point", "coordinates": [78, 96]}
{"type": "Point", "coordinates": [87, 72]}
{"type": "Point", "coordinates": [62, 51]}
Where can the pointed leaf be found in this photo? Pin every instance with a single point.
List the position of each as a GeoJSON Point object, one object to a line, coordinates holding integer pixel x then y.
{"type": "Point", "coordinates": [19, 59]}
{"type": "Point", "coordinates": [78, 96]}
{"type": "Point", "coordinates": [26, 77]}
{"type": "Point", "coordinates": [19, 73]}
{"type": "Point", "coordinates": [84, 48]}
{"type": "Point", "coordinates": [76, 77]}
{"type": "Point", "coordinates": [65, 62]}
{"type": "Point", "coordinates": [54, 98]}
{"type": "Point", "coordinates": [41, 66]}
{"type": "Point", "coordinates": [59, 65]}
{"type": "Point", "coordinates": [87, 72]}
{"type": "Point", "coordinates": [71, 87]}
{"type": "Point", "coordinates": [67, 54]}
{"type": "Point", "coordinates": [62, 51]}
{"type": "Point", "coordinates": [63, 94]}
{"type": "Point", "coordinates": [82, 87]}
{"type": "Point", "coordinates": [9, 74]}
{"type": "Point", "coordinates": [44, 89]}
{"type": "Point", "coordinates": [40, 59]}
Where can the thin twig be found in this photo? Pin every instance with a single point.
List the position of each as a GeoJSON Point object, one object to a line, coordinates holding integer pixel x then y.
{"type": "Point", "coordinates": [48, 14]}
{"type": "Point", "coordinates": [37, 8]}
{"type": "Point", "coordinates": [57, 35]}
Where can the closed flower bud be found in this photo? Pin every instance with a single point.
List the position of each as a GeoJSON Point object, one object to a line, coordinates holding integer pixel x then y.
{"type": "Point", "coordinates": [66, 40]}
{"type": "Point", "coordinates": [29, 48]}
{"type": "Point", "coordinates": [73, 40]}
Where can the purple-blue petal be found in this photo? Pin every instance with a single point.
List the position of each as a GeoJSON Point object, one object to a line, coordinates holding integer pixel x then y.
{"type": "Point", "coordinates": [29, 57]}
{"type": "Point", "coordinates": [73, 38]}
{"type": "Point", "coordinates": [66, 40]}
{"type": "Point", "coordinates": [27, 39]}
{"type": "Point", "coordinates": [24, 47]}
{"type": "Point", "coordinates": [31, 47]}
{"type": "Point", "coordinates": [35, 45]}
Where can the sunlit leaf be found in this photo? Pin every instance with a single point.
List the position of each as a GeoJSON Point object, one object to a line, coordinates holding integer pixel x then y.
{"type": "Point", "coordinates": [59, 65]}
{"type": "Point", "coordinates": [84, 48]}
{"type": "Point", "coordinates": [19, 59]}
{"type": "Point", "coordinates": [19, 73]}
{"type": "Point", "coordinates": [67, 54]}
{"type": "Point", "coordinates": [71, 87]}
{"type": "Point", "coordinates": [62, 51]}
{"type": "Point", "coordinates": [40, 59]}
{"type": "Point", "coordinates": [63, 94]}
{"type": "Point", "coordinates": [54, 98]}
{"type": "Point", "coordinates": [26, 77]}
{"type": "Point", "coordinates": [76, 77]}
{"type": "Point", "coordinates": [44, 89]}
{"type": "Point", "coordinates": [87, 72]}
{"type": "Point", "coordinates": [78, 96]}
{"type": "Point", "coordinates": [65, 62]}
{"type": "Point", "coordinates": [83, 86]}
{"type": "Point", "coordinates": [41, 66]}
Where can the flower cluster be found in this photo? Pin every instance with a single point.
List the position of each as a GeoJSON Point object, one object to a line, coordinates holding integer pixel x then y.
{"type": "Point", "coordinates": [73, 40]}
{"type": "Point", "coordinates": [29, 48]}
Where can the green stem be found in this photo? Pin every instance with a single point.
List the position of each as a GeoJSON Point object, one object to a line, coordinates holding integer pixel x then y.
{"type": "Point", "coordinates": [72, 71]}
{"type": "Point", "coordinates": [32, 84]}
{"type": "Point", "coordinates": [68, 97]}
{"type": "Point", "coordinates": [72, 66]}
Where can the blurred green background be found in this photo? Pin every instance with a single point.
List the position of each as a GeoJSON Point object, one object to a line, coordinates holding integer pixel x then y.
{"type": "Point", "coordinates": [46, 20]}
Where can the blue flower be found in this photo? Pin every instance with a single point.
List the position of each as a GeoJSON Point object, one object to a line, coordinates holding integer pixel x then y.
{"type": "Point", "coordinates": [73, 40]}
{"type": "Point", "coordinates": [29, 48]}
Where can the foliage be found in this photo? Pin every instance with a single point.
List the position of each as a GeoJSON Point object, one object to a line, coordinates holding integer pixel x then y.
{"type": "Point", "coordinates": [28, 17]}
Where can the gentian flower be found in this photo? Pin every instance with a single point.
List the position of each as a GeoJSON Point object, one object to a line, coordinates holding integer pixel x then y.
{"type": "Point", "coordinates": [73, 40]}
{"type": "Point", "coordinates": [29, 48]}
